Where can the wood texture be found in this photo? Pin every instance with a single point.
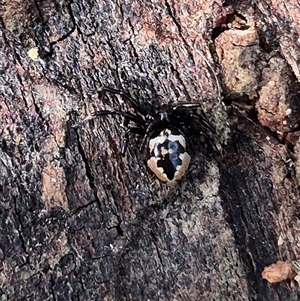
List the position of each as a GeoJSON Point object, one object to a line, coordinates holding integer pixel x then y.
{"type": "Point", "coordinates": [81, 222]}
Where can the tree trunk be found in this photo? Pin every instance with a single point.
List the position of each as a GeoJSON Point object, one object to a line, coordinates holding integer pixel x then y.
{"type": "Point", "coordinates": [81, 222]}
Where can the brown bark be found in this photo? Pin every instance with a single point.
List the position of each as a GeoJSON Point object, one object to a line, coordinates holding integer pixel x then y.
{"type": "Point", "coordinates": [81, 222]}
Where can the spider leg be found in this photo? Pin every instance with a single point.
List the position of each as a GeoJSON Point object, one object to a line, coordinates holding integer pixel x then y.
{"type": "Point", "coordinates": [146, 135]}
{"type": "Point", "coordinates": [127, 115]}
{"type": "Point", "coordinates": [147, 132]}
{"type": "Point", "coordinates": [125, 142]}
{"type": "Point", "coordinates": [186, 105]}
{"type": "Point", "coordinates": [186, 134]}
{"type": "Point", "coordinates": [210, 141]}
{"type": "Point", "coordinates": [204, 121]}
{"type": "Point", "coordinates": [127, 97]}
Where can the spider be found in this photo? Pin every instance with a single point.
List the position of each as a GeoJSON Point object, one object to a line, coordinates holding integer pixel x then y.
{"type": "Point", "coordinates": [167, 129]}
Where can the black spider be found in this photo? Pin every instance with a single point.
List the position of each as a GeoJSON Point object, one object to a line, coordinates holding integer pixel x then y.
{"type": "Point", "coordinates": [166, 128]}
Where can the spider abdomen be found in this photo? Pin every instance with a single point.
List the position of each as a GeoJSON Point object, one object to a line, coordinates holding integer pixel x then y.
{"type": "Point", "coordinates": [168, 157]}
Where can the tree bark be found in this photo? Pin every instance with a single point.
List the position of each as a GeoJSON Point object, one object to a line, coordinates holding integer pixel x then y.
{"type": "Point", "coordinates": [81, 222]}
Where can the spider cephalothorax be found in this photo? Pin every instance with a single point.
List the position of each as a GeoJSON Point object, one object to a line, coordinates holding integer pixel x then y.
{"type": "Point", "coordinates": [167, 129]}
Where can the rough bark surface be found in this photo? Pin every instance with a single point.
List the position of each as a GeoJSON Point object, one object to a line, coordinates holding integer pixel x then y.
{"type": "Point", "coordinates": [81, 222]}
